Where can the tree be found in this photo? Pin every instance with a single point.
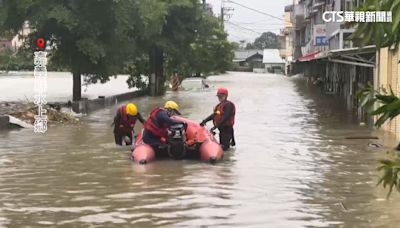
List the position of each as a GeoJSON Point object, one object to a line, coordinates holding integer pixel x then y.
{"type": "Point", "coordinates": [14, 61]}
{"type": "Point", "coordinates": [249, 46]}
{"type": "Point", "coordinates": [166, 32]}
{"type": "Point", "coordinates": [90, 37]}
{"type": "Point", "coordinates": [235, 45]}
{"type": "Point", "coordinates": [380, 34]}
{"type": "Point", "coordinates": [100, 38]}
{"type": "Point", "coordinates": [385, 105]}
{"type": "Point", "coordinates": [266, 40]}
{"type": "Point", "coordinates": [210, 51]}
{"type": "Point", "coordinates": [191, 40]}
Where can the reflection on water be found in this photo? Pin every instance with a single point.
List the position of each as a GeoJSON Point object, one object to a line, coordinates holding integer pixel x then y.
{"type": "Point", "coordinates": [292, 167]}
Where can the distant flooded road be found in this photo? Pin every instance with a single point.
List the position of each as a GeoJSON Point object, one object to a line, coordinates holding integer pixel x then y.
{"type": "Point", "coordinates": [292, 167]}
{"type": "Point", "coordinates": [19, 86]}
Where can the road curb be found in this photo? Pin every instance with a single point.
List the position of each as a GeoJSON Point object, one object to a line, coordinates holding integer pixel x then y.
{"type": "Point", "coordinates": [86, 106]}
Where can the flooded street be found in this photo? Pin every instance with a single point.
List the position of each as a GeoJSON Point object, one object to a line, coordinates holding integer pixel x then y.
{"type": "Point", "coordinates": [59, 87]}
{"type": "Point", "coordinates": [292, 167]}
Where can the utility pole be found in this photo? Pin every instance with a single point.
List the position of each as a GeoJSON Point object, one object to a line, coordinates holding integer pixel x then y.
{"type": "Point", "coordinates": [222, 16]}
{"type": "Point", "coordinates": [225, 15]}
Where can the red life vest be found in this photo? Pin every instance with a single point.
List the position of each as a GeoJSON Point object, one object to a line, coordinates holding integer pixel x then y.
{"type": "Point", "coordinates": [151, 124]}
{"type": "Point", "coordinates": [219, 112]}
{"type": "Point", "coordinates": [127, 121]}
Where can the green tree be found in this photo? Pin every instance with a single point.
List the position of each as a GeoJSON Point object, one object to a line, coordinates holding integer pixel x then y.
{"type": "Point", "coordinates": [249, 46]}
{"type": "Point", "coordinates": [235, 45]}
{"type": "Point", "coordinates": [90, 37]}
{"type": "Point", "coordinates": [14, 61]}
{"type": "Point", "coordinates": [266, 40]}
{"type": "Point", "coordinates": [385, 105]}
{"type": "Point", "coordinates": [380, 34]}
{"type": "Point", "coordinates": [210, 51]}
{"type": "Point", "coordinates": [190, 39]}
{"type": "Point", "coordinates": [166, 32]}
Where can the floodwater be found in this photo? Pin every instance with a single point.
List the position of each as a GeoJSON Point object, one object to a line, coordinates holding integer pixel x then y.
{"type": "Point", "coordinates": [292, 167]}
{"type": "Point", "coordinates": [19, 86]}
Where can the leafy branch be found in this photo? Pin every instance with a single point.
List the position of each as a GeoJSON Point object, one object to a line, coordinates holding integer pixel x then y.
{"type": "Point", "coordinates": [388, 107]}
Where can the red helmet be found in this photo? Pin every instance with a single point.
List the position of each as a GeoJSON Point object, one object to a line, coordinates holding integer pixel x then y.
{"type": "Point", "coordinates": [222, 91]}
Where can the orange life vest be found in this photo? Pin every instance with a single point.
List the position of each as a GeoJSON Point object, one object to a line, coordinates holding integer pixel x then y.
{"type": "Point", "coordinates": [153, 126]}
{"type": "Point", "coordinates": [219, 112]}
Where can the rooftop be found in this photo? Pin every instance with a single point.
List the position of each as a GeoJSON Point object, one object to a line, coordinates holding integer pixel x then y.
{"type": "Point", "coordinates": [272, 56]}
{"type": "Point", "coordinates": [242, 55]}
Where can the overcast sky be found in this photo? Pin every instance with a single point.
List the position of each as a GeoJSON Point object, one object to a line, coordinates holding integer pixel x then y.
{"type": "Point", "coordinates": [250, 20]}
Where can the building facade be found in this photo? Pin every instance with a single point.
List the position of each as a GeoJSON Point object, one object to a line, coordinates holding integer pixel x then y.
{"type": "Point", "coordinates": [16, 41]}
{"type": "Point", "coordinates": [324, 53]}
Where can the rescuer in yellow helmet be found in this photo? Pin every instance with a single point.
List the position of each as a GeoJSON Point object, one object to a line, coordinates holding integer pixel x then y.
{"type": "Point", "coordinates": [156, 126]}
{"type": "Point", "coordinates": [124, 123]}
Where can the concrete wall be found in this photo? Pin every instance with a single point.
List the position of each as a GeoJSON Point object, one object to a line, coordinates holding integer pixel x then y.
{"type": "Point", "coordinates": [86, 106]}
{"type": "Point", "coordinates": [273, 67]}
{"type": "Point", "coordinates": [389, 77]}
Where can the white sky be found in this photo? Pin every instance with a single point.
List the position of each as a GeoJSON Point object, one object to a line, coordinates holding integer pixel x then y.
{"type": "Point", "coordinates": [251, 20]}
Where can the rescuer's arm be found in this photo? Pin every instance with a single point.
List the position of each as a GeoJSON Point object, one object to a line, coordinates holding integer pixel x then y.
{"type": "Point", "coordinates": [140, 118]}
{"type": "Point", "coordinates": [117, 119]}
{"type": "Point", "coordinates": [210, 117]}
{"type": "Point", "coordinates": [163, 116]}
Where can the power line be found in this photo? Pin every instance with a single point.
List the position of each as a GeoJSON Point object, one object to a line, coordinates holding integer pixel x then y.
{"type": "Point", "coordinates": [238, 37]}
{"type": "Point", "coordinates": [255, 23]}
{"type": "Point", "coordinates": [243, 27]}
{"type": "Point", "coordinates": [255, 10]}
{"type": "Point", "coordinates": [252, 30]}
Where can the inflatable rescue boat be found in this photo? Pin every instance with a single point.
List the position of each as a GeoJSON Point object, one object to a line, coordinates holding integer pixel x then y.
{"type": "Point", "coordinates": [190, 142]}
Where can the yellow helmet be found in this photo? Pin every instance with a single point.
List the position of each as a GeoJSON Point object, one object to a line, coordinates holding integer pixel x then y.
{"type": "Point", "coordinates": [171, 105]}
{"type": "Point", "coordinates": [131, 109]}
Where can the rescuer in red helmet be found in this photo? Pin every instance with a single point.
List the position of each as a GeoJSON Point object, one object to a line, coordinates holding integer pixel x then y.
{"type": "Point", "coordinates": [223, 118]}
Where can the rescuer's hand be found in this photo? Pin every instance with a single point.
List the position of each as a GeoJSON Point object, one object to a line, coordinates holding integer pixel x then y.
{"type": "Point", "coordinates": [202, 123]}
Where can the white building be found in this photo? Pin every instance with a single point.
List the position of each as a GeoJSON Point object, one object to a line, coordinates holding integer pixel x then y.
{"type": "Point", "coordinates": [18, 40]}
{"type": "Point", "coordinates": [273, 62]}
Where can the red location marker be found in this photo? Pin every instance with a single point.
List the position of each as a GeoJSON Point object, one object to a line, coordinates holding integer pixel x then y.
{"type": "Point", "coordinates": [40, 43]}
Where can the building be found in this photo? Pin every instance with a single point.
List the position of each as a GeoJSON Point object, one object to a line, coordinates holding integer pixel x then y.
{"type": "Point", "coordinates": [273, 62]}
{"type": "Point", "coordinates": [337, 33]}
{"type": "Point", "coordinates": [286, 36]}
{"type": "Point", "coordinates": [14, 42]}
{"type": "Point", "coordinates": [248, 60]}
{"type": "Point", "coordinates": [388, 77]}
{"type": "Point", "coordinates": [314, 28]}
{"type": "Point", "coordinates": [324, 53]}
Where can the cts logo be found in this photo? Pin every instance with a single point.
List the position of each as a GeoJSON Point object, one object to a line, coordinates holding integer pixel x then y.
{"type": "Point", "coordinates": [333, 16]}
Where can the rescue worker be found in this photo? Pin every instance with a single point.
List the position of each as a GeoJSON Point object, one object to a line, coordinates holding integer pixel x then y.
{"type": "Point", "coordinates": [204, 84]}
{"type": "Point", "coordinates": [175, 81]}
{"type": "Point", "coordinates": [224, 119]}
{"type": "Point", "coordinates": [156, 126]}
{"type": "Point", "coordinates": [124, 123]}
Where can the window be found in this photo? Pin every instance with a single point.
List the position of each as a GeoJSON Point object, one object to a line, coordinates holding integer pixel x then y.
{"type": "Point", "coordinates": [348, 5]}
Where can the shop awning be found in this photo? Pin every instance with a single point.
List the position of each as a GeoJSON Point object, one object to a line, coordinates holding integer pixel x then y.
{"type": "Point", "coordinates": [308, 57]}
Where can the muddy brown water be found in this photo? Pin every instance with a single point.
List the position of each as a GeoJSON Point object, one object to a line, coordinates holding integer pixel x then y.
{"type": "Point", "coordinates": [292, 167]}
